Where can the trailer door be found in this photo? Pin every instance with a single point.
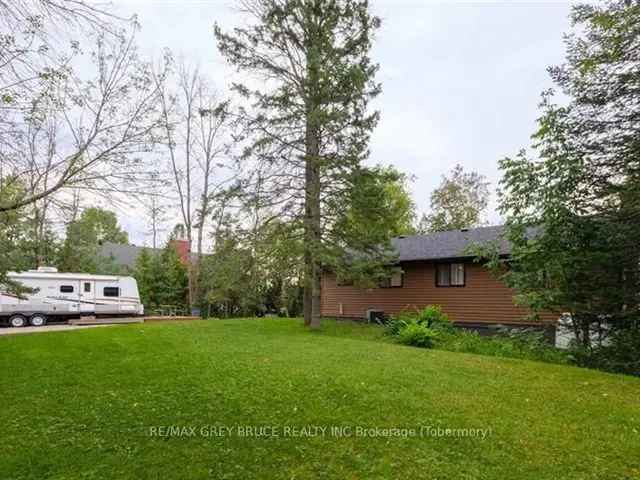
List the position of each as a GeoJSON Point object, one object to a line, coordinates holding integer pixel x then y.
{"type": "Point", "coordinates": [87, 296]}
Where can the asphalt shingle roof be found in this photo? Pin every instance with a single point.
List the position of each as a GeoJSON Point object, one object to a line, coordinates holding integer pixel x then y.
{"type": "Point", "coordinates": [122, 254]}
{"type": "Point", "coordinates": [127, 254]}
{"type": "Point", "coordinates": [434, 246]}
{"type": "Point", "coordinates": [445, 245]}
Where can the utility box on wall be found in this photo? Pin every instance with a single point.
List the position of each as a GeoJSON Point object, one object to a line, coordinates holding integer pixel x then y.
{"type": "Point", "coordinates": [376, 316]}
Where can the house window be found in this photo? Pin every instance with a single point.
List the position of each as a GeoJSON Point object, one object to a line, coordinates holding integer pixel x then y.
{"type": "Point", "coordinates": [450, 275]}
{"type": "Point", "coordinates": [66, 288]}
{"type": "Point", "coordinates": [457, 274]}
{"type": "Point", "coordinates": [396, 280]}
{"type": "Point", "coordinates": [87, 287]}
{"type": "Point", "coordinates": [111, 292]}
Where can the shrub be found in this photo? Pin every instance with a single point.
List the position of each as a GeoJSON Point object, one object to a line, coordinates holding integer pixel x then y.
{"type": "Point", "coordinates": [527, 345]}
{"type": "Point", "coordinates": [530, 343]}
{"type": "Point", "coordinates": [434, 317]}
{"type": "Point", "coordinates": [400, 321]}
{"type": "Point", "coordinates": [431, 316]}
{"type": "Point", "coordinates": [394, 325]}
{"type": "Point", "coordinates": [621, 354]}
{"type": "Point", "coordinates": [430, 327]}
{"type": "Point", "coordinates": [417, 335]}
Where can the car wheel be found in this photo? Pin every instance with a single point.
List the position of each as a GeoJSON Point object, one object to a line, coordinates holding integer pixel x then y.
{"type": "Point", "coordinates": [17, 321]}
{"type": "Point", "coordinates": [38, 320]}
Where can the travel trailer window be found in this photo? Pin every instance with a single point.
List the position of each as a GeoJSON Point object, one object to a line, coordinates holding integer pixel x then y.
{"type": "Point", "coordinates": [87, 287]}
{"type": "Point", "coordinates": [66, 288]}
{"type": "Point", "coordinates": [111, 292]}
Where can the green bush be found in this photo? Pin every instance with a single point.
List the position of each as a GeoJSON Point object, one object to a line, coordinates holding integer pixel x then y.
{"type": "Point", "coordinates": [431, 316]}
{"type": "Point", "coordinates": [417, 335]}
{"type": "Point", "coordinates": [394, 325]}
{"type": "Point", "coordinates": [620, 355]}
{"type": "Point", "coordinates": [527, 346]}
{"type": "Point", "coordinates": [399, 322]}
{"type": "Point", "coordinates": [431, 328]}
{"type": "Point", "coordinates": [434, 317]}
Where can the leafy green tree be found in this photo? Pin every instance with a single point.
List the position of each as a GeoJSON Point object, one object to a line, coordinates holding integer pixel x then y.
{"type": "Point", "coordinates": [377, 207]}
{"type": "Point", "coordinates": [44, 105]}
{"type": "Point", "coordinates": [20, 248]}
{"type": "Point", "coordinates": [573, 213]}
{"type": "Point", "coordinates": [397, 202]}
{"type": "Point", "coordinates": [278, 265]}
{"type": "Point", "coordinates": [11, 238]}
{"type": "Point", "coordinates": [80, 251]}
{"type": "Point", "coordinates": [459, 202]}
{"type": "Point", "coordinates": [254, 271]}
{"type": "Point", "coordinates": [228, 289]}
{"type": "Point", "coordinates": [260, 269]}
{"type": "Point", "coordinates": [144, 274]}
{"type": "Point", "coordinates": [310, 124]}
{"type": "Point", "coordinates": [175, 289]}
{"type": "Point", "coordinates": [162, 278]}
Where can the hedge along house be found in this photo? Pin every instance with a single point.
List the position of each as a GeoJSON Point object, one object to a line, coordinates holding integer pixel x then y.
{"type": "Point", "coordinates": [436, 269]}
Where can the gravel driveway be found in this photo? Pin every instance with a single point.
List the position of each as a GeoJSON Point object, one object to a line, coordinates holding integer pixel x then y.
{"type": "Point", "coordinates": [46, 328]}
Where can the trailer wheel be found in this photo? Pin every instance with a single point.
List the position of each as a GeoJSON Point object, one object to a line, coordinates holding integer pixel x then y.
{"type": "Point", "coordinates": [17, 321]}
{"type": "Point", "coordinates": [38, 320]}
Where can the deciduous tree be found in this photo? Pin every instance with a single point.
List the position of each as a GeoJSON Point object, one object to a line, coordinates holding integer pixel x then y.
{"type": "Point", "coordinates": [60, 130]}
{"type": "Point", "coordinates": [574, 212]}
{"type": "Point", "coordinates": [459, 202]}
{"type": "Point", "coordinates": [80, 251]}
{"type": "Point", "coordinates": [196, 124]}
{"type": "Point", "coordinates": [84, 132]}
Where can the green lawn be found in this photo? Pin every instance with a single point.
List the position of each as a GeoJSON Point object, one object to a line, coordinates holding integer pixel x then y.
{"type": "Point", "coordinates": [88, 403]}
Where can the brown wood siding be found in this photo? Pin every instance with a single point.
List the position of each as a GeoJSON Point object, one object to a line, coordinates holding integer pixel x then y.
{"type": "Point", "coordinates": [483, 299]}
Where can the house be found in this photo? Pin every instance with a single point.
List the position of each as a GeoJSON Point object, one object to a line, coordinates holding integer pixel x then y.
{"type": "Point", "coordinates": [125, 255]}
{"type": "Point", "coordinates": [436, 269]}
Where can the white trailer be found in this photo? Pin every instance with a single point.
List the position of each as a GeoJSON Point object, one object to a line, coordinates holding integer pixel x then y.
{"type": "Point", "coordinates": [61, 296]}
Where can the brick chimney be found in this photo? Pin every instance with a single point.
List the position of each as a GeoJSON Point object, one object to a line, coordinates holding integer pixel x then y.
{"type": "Point", "coordinates": [182, 245]}
{"type": "Point", "coordinates": [183, 248]}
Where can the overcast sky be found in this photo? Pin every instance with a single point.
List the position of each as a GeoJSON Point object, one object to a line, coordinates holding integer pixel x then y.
{"type": "Point", "coordinates": [461, 79]}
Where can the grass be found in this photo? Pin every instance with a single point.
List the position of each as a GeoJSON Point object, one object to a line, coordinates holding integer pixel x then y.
{"type": "Point", "coordinates": [84, 404]}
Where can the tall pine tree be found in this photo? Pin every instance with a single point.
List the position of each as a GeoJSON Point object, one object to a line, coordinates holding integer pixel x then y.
{"type": "Point", "coordinates": [309, 123]}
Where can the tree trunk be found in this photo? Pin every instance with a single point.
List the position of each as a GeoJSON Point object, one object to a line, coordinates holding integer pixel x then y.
{"type": "Point", "coordinates": [308, 255]}
{"type": "Point", "coordinates": [190, 273]}
{"type": "Point", "coordinates": [316, 297]}
{"type": "Point", "coordinates": [586, 334]}
{"type": "Point", "coordinates": [192, 285]}
{"type": "Point", "coordinates": [313, 236]}
{"type": "Point", "coordinates": [315, 228]}
{"type": "Point", "coordinates": [575, 326]}
{"type": "Point", "coordinates": [307, 298]}
{"type": "Point", "coordinates": [197, 294]}
{"type": "Point", "coordinates": [312, 225]}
